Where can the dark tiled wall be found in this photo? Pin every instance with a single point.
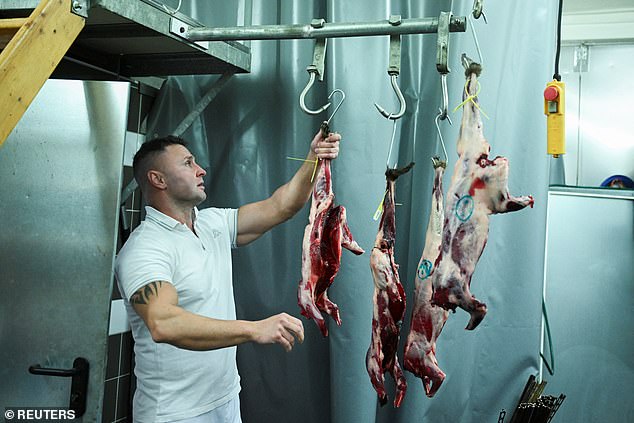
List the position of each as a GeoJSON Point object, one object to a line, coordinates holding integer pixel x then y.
{"type": "Point", "coordinates": [120, 382]}
{"type": "Point", "coordinates": [117, 399]}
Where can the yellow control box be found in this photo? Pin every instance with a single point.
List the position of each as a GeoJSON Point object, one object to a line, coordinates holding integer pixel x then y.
{"type": "Point", "coordinates": [554, 109]}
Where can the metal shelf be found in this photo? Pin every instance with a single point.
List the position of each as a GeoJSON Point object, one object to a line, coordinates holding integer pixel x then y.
{"type": "Point", "coordinates": [132, 39]}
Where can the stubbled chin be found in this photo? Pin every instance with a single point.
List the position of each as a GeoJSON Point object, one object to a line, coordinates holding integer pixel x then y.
{"type": "Point", "coordinates": [202, 196]}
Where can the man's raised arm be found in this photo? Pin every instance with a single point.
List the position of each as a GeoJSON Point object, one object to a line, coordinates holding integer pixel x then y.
{"type": "Point", "coordinates": [255, 219]}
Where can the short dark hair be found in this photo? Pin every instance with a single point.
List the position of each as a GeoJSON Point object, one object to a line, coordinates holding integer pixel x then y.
{"type": "Point", "coordinates": [149, 150]}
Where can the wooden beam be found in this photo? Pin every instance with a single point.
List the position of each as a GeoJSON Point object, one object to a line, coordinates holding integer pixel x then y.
{"type": "Point", "coordinates": [31, 56]}
{"type": "Point", "coordinates": [8, 28]}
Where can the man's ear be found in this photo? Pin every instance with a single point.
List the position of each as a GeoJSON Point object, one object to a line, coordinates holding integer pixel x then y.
{"type": "Point", "coordinates": [156, 179]}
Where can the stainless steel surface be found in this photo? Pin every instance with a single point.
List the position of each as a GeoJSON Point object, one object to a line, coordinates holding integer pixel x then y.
{"type": "Point", "coordinates": [133, 39]}
{"type": "Point", "coordinates": [613, 193]}
{"type": "Point", "coordinates": [599, 127]}
{"type": "Point", "coordinates": [61, 176]}
{"type": "Point", "coordinates": [589, 291]}
{"type": "Point", "coordinates": [329, 30]}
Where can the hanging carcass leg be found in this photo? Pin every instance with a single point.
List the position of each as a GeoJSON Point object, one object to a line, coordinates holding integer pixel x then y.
{"type": "Point", "coordinates": [389, 301]}
{"type": "Point", "coordinates": [428, 319]}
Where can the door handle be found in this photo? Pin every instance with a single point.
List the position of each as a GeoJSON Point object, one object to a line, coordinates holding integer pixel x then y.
{"type": "Point", "coordinates": [79, 383]}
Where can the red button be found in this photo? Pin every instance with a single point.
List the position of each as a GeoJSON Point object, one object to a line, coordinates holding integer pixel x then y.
{"type": "Point", "coordinates": [551, 93]}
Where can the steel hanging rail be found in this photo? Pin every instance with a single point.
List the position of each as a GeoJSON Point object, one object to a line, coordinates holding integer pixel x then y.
{"type": "Point", "coordinates": [318, 28]}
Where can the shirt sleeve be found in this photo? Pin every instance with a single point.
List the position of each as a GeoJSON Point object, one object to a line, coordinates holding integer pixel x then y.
{"type": "Point", "coordinates": [139, 263]}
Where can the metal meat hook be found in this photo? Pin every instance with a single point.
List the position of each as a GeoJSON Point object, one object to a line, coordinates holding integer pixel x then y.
{"type": "Point", "coordinates": [343, 97]}
{"type": "Point", "coordinates": [442, 52]}
{"type": "Point", "coordinates": [442, 142]}
{"type": "Point", "coordinates": [444, 111]}
{"type": "Point", "coordinates": [393, 71]}
{"type": "Point", "coordinates": [315, 70]}
{"type": "Point", "coordinates": [302, 96]}
{"type": "Point", "coordinates": [325, 126]}
{"type": "Point", "coordinates": [401, 101]}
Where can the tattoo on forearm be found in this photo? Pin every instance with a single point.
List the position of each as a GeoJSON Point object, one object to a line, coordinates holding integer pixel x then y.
{"type": "Point", "coordinates": [142, 296]}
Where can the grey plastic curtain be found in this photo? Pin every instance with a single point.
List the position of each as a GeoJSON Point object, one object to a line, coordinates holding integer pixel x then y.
{"type": "Point", "coordinates": [243, 140]}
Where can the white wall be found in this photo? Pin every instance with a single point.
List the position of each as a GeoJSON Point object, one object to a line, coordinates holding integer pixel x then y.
{"type": "Point", "coordinates": [589, 20]}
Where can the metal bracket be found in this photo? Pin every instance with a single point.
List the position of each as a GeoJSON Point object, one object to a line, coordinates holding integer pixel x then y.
{"type": "Point", "coordinates": [319, 58]}
{"type": "Point", "coordinates": [180, 28]}
{"type": "Point", "coordinates": [442, 50]}
{"type": "Point", "coordinates": [580, 59]}
{"type": "Point", "coordinates": [442, 59]}
{"type": "Point", "coordinates": [394, 67]}
{"type": "Point", "coordinates": [80, 7]}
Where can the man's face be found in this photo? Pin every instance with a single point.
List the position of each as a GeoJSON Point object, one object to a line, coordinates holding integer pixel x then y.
{"type": "Point", "coordinates": [183, 176]}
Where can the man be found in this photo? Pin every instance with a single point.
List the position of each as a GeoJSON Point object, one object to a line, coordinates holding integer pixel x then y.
{"type": "Point", "coordinates": [174, 273]}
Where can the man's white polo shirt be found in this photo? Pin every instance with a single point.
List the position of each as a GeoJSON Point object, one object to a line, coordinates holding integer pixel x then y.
{"type": "Point", "coordinates": [174, 383]}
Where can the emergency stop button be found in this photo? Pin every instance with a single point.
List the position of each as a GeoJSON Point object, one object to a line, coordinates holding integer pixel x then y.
{"type": "Point", "coordinates": [551, 93]}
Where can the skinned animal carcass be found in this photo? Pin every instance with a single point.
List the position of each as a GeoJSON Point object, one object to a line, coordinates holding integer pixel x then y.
{"type": "Point", "coordinates": [389, 301]}
{"type": "Point", "coordinates": [479, 188]}
{"type": "Point", "coordinates": [325, 235]}
{"type": "Point", "coordinates": [428, 319]}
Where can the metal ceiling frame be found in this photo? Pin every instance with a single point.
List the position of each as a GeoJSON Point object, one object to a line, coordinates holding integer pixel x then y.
{"type": "Point", "coordinates": [132, 38]}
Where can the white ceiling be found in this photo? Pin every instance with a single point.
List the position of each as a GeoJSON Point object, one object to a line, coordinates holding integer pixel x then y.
{"type": "Point", "coordinates": [584, 6]}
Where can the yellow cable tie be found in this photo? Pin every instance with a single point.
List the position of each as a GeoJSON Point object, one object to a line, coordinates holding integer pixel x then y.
{"type": "Point", "coordinates": [314, 170]}
{"type": "Point", "coordinates": [471, 98]}
{"type": "Point", "coordinates": [300, 160]}
{"type": "Point", "coordinates": [379, 209]}
{"type": "Point", "coordinates": [309, 161]}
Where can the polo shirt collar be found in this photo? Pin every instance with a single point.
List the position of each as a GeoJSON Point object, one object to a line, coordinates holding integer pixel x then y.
{"type": "Point", "coordinates": [163, 219]}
